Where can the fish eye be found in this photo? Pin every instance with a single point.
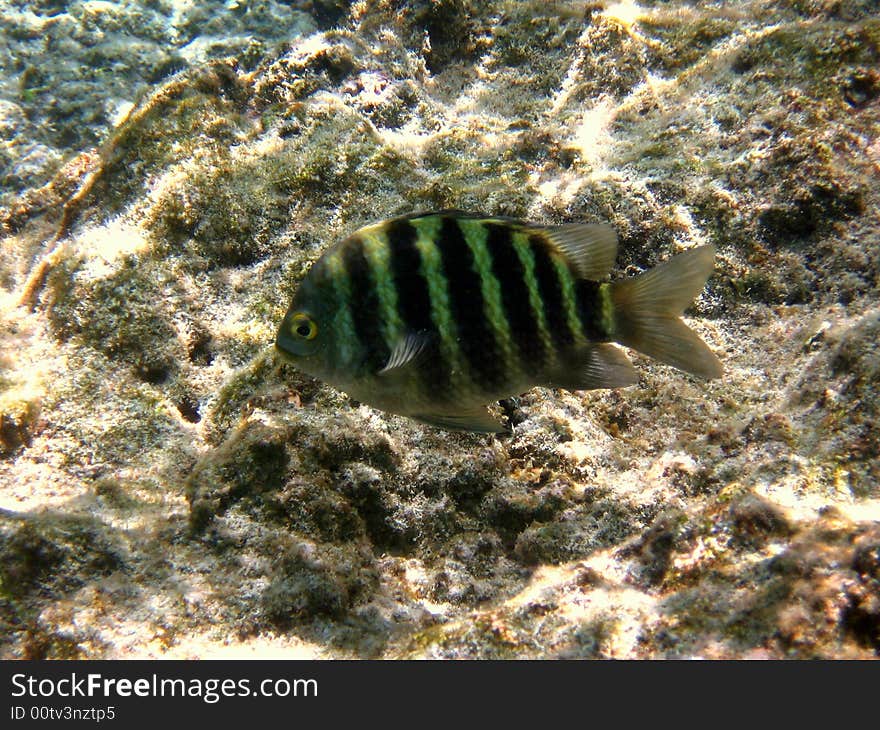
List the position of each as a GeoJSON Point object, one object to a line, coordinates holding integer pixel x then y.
{"type": "Point", "coordinates": [303, 326]}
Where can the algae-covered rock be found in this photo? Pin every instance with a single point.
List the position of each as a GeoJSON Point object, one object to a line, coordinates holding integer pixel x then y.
{"type": "Point", "coordinates": [168, 174]}
{"type": "Point", "coordinates": [70, 71]}
{"type": "Point", "coordinates": [309, 584]}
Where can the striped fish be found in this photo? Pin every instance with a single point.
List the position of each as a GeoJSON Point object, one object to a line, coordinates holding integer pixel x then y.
{"type": "Point", "coordinates": [435, 315]}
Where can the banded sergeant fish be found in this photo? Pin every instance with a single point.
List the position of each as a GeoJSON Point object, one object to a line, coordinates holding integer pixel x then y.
{"type": "Point", "coordinates": [435, 315]}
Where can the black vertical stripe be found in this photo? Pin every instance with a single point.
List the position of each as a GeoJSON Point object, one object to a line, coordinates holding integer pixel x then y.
{"type": "Point", "coordinates": [476, 340]}
{"type": "Point", "coordinates": [590, 310]}
{"type": "Point", "coordinates": [364, 305]}
{"type": "Point", "coordinates": [551, 293]}
{"type": "Point", "coordinates": [414, 302]}
{"type": "Point", "coordinates": [509, 270]}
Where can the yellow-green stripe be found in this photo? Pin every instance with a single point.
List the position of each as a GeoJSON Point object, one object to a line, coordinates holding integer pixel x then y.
{"type": "Point", "coordinates": [346, 339]}
{"type": "Point", "coordinates": [606, 310]}
{"type": "Point", "coordinates": [476, 234]}
{"type": "Point", "coordinates": [569, 298]}
{"type": "Point", "coordinates": [441, 314]}
{"type": "Point", "coordinates": [378, 256]}
{"type": "Point", "coordinates": [523, 249]}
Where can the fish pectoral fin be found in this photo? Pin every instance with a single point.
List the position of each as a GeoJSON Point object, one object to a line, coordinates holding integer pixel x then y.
{"type": "Point", "coordinates": [476, 419]}
{"type": "Point", "coordinates": [591, 248]}
{"type": "Point", "coordinates": [596, 366]}
{"type": "Point", "coordinates": [408, 351]}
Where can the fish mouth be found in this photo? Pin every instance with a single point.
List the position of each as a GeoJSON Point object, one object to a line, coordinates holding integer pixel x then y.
{"type": "Point", "coordinates": [285, 345]}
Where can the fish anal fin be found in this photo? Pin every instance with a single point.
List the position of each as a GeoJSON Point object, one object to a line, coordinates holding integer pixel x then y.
{"type": "Point", "coordinates": [591, 248]}
{"type": "Point", "coordinates": [593, 367]}
{"type": "Point", "coordinates": [473, 419]}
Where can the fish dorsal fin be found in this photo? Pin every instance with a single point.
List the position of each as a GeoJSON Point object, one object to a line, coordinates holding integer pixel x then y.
{"type": "Point", "coordinates": [596, 366]}
{"type": "Point", "coordinates": [409, 349]}
{"type": "Point", "coordinates": [471, 419]}
{"type": "Point", "coordinates": [591, 248]}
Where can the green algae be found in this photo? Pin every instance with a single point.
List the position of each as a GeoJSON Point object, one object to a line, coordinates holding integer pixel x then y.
{"type": "Point", "coordinates": [117, 315]}
{"type": "Point", "coordinates": [18, 419]}
{"type": "Point", "coordinates": [682, 44]}
{"type": "Point", "coordinates": [205, 105]}
{"type": "Point", "coordinates": [316, 583]}
{"type": "Point", "coordinates": [252, 461]}
{"type": "Point", "coordinates": [228, 407]}
{"type": "Point", "coordinates": [227, 213]}
{"type": "Point", "coordinates": [38, 555]}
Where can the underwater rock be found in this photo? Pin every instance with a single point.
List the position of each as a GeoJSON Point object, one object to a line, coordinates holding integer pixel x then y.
{"type": "Point", "coordinates": [310, 583]}
{"type": "Point", "coordinates": [76, 68]}
{"type": "Point", "coordinates": [167, 178]}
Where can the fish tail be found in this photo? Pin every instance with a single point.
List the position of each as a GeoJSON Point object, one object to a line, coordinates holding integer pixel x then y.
{"type": "Point", "coordinates": [647, 312]}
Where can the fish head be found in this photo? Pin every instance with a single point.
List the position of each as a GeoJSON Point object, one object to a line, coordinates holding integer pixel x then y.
{"type": "Point", "coordinates": [306, 334]}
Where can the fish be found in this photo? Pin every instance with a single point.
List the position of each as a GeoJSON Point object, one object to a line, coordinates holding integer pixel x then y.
{"type": "Point", "coordinates": [436, 315]}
